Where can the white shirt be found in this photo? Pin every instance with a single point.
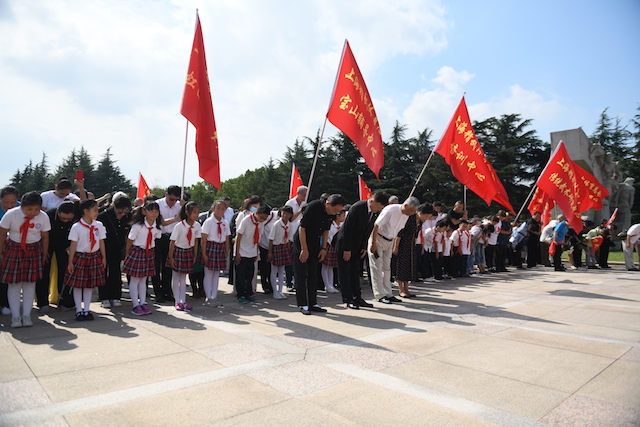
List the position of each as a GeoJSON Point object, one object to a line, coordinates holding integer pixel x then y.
{"type": "Point", "coordinates": [267, 225]}
{"type": "Point", "coordinates": [168, 213]}
{"type": "Point", "coordinates": [391, 220]}
{"type": "Point", "coordinates": [463, 240]}
{"type": "Point", "coordinates": [247, 228]}
{"type": "Point", "coordinates": [228, 214]}
{"type": "Point", "coordinates": [430, 236]}
{"type": "Point", "coordinates": [277, 233]}
{"type": "Point", "coordinates": [13, 220]}
{"type": "Point", "coordinates": [493, 237]}
{"type": "Point", "coordinates": [447, 246]}
{"type": "Point", "coordinates": [51, 200]}
{"type": "Point", "coordinates": [296, 207]}
{"type": "Point", "coordinates": [210, 228]}
{"type": "Point", "coordinates": [547, 231]}
{"type": "Point", "coordinates": [333, 230]}
{"type": "Point", "coordinates": [139, 232]}
{"type": "Point", "coordinates": [179, 234]}
{"type": "Point", "coordinates": [634, 233]}
{"type": "Point", "coordinates": [79, 233]}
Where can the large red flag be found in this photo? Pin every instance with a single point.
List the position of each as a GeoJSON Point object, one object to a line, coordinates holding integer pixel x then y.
{"type": "Point", "coordinates": [143, 188]}
{"type": "Point", "coordinates": [595, 192]}
{"type": "Point", "coordinates": [363, 189]}
{"type": "Point", "coordinates": [351, 110]}
{"type": "Point", "coordinates": [296, 181]}
{"type": "Point", "coordinates": [561, 182]}
{"type": "Point", "coordinates": [541, 202]}
{"type": "Point", "coordinates": [461, 150]}
{"type": "Point", "coordinates": [198, 109]}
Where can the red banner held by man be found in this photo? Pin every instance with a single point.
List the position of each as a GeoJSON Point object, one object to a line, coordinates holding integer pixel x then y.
{"type": "Point", "coordinates": [296, 181]}
{"type": "Point", "coordinates": [351, 110]}
{"type": "Point", "coordinates": [541, 202]}
{"type": "Point", "coordinates": [462, 151]}
{"type": "Point", "coordinates": [143, 188]}
{"type": "Point", "coordinates": [363, 189]}
{"type": "Point", "coordinates": [595, 192]}
{"type": "Point", "coordinates": [198, 109]}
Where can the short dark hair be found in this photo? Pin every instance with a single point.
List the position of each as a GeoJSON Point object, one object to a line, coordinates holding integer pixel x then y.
{"type": "Point", "coordinates": [442, 223]}
{"type": "Point", "coordinates": [63, 184]}
{"type": "Point", "coordinates": [336, 200]}
{"type": "Point", "coordinates": [32, 198]}
{"type": "Point", "coordinates": [381, 197]}
{"type": "Point", "coordinates": [174, 190]}
{"type": "Point", "coordinates": [426, 209]}
{"type": "Point", "coordinates": [9, 189]}
{"type": "Point", "coordinates": [122, 202]}
{"type": "Point", "coordinates": [264, 209]}
{"type": "Point", "coordinates": [67, 207]}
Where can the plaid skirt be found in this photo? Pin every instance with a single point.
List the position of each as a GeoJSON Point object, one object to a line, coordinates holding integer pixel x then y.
{"type": "Point", "coordinates": [21, 266]}
{"type": "Point", "coordinates": [88, 271]}
{"type": "Point", "coordinates": [282, 255]}
{"type": "Point", "coordinates": [217, 253]}
{"type": "Point", "coordinates": [140, 263]}
{"type": "Point", "coordinates": [331, 260]}
{"type": "Point", "coordinates": [184, 260]}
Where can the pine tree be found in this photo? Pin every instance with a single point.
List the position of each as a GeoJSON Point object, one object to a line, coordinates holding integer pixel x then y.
{"type": "Point", "coordinates": [108, 178]}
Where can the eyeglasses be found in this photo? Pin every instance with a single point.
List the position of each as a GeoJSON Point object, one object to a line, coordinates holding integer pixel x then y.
{"type": "Point", "coordinates": [172, 199]}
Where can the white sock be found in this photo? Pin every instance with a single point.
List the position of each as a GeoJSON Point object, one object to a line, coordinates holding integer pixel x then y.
{"type": "Point", "coordinates": [179, 287]}
{"type": "Point", "coordinates": [327, 276]}
{"type": "Point", "coordinates": [28, 295]}
{"type": "Point", "coordinates": [133, 290]}
{"type": "Point", "coordinates": [210, 284]}
{"type": "Point", "coordinates": [13, 295]}
{"type": "Point", "coordinates": [86, 297]}
{"type": "Point", "coordinates": [142, 290]}
{"type": "Point", "coordinates": [77, 299]}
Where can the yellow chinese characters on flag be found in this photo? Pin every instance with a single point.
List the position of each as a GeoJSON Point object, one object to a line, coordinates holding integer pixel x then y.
{"type": "Point", "coordinates": [461, 150]}
{"type": "Point", "coordinates": [541, 202]}
{"type": "Point", "coordinates": [351, 110]}
{"type": "Point", "coordinates": [594, 193]}
{"type": "Point", "coordinates": [363, 189]}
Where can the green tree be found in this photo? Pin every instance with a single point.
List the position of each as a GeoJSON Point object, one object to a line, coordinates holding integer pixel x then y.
{"type": "Point", "coordinates": [612, 135]}
{"type": "Point", "coordinates": [107, 177]}
{"type": "Point", "coordinates": [80, 160]}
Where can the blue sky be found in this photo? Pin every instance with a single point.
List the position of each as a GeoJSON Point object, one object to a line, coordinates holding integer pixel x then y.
{"type": "Point", "coordinates": [111, 73]}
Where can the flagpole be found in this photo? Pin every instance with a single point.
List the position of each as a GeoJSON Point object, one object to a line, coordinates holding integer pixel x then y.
{"type": "Point", "coordinates": [464, 197]}
{"type": "Point", "coordinates": [526, 202]}
{"type": "Point", "coordinates": [421, 173]}
{"type": "Point", "coordinates": [315, 159]}
{"type": "Point", "coordinates": [184, 159]}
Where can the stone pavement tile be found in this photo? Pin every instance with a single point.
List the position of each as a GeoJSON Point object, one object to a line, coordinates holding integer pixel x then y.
{"type": "Point", "coordinates": [608, 332]}
{"type": "Point", "coordinates": [310, 338]}
{"type": "Point", "coordinates": [299, 378]}
{"type": "Point", "coordinates": [290, 412]}
{"type": "Point", "coordinates": [492, 390]}
{"type": "Point", "coordinates": [201, 405]}
{"type": "Point", "coordinates": [580, 411]}
{"type": "Point", "coordinates": [364, 403]}
{"type": "Point", "coordinates": [476, 326]}
{"type": "Point", "coordinates": [526, 311]}
{"type": "Point", "coordinates": [95, 349]}
{"type": "Point", "coordinates": [600, 315]}
{"type": "Point", "coordinates": [433, 340]}
{"type": "Point", "coordinates": [22, 394]}
{"type": "Point", "coordinates": [619, 384]}
{"type": "Point", "coordinates": [104, 379]}
{"type": "Point", "coordinates": [548, 367]}
{"type": "Point", "coordinates": [597, 348]}
{"type": "Point", "coordinates": [238, 353]}
{"type": "Point", "coordinates": [12, 365]}
{"type": "Point", "coordinates": [372, 356]}
{"type": "Point", "coordinates": [208, 336]}
{"type": "Point", "coordinates": [632, 355]}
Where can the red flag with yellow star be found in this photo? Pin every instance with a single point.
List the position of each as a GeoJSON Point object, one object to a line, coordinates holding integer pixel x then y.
{"type": "Point", "coordinates": [462, 151]}
{"type": "Point", "coordinates": [296, 181]}
{"type": "Point", "coordinates": [143, 188]}
{"type": "Point", "coordinates": [198, 109]}
{"type": "Point", "coordinates": [351, 110]}
{"type": "Point", "coordinates": [363, 189]}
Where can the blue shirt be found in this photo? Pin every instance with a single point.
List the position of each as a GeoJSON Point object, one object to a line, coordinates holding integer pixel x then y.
{"type": "Point", "coordinates": [561, 229]}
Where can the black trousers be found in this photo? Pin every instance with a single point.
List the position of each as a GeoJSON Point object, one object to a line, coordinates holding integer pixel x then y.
{"type": "Point", "coordinates": [306, 274]}
{"type": "Point", "coordinates": [533, 251]}
{"type": "Point", "coordinates": [162, 280]}
{"type": "Point", "coordinates": [244, 277]}
{"type": "Point", "coordinates": [557, 257]}
{"type": "Point", "coordinates": [264, 268]}
{"type": "Point", "coordinates": [42, 285]}
{"type": "Point", "coordinates": [112, 288]}
{"type": "Point", "coordinates": [349, 273]}
{"type": "Point", "coordinates": [436, 265]}
{"type": "Point", "coordinates": [603, 256]}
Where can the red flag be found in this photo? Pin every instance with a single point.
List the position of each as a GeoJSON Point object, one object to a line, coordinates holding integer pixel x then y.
{"type": "Point", "coordinates": [596, 242]}
{"type": "Point", "coordinates": [143, 188]}
{"type": "Point", "coordinates": [461, 150]}
{"type": "Point", "coordinates": [351, 110]}
{"type": "Point", "coordinates": [595, 192]}
{"type": "Point", "coordinates": [363, 189]}
{"type": "Point", "coordinates": [613, 217]}
{"type": "Point", "coordinates": [562, 183]}
{"type": "Point", "coordinates": [198, 109]}
{"type": "Point", "coordinates": [541, 202]}
{"type": "Point", "coordinates": [296, 181]}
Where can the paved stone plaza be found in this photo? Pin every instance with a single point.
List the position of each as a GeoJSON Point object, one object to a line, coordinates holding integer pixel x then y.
{"type": "Point", "coordinates": [524, 348]}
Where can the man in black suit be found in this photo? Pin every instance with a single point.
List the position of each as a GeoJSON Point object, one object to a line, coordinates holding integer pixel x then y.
{"type": "Point", "coordinates": [351, 245]}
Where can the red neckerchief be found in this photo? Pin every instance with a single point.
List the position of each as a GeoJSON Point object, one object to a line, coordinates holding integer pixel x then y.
{"type": "Point", "coordinates": [149, 237]}
{"type": "Point", "coordinates": [189, 233]}
{"type": "Point", "coordinates": [24, 229]}
{"type": "Point", "coordinates": [256, 234]}
{"type": "Point", "coordinates": [92, 236]}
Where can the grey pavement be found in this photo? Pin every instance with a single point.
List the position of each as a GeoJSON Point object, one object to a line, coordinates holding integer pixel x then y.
{"type": "Point", "coordinates": [524, 348]}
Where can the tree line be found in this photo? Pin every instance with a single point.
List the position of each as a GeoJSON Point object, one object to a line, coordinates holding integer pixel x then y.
{"type": "Point", "coordinates": [509, 142]}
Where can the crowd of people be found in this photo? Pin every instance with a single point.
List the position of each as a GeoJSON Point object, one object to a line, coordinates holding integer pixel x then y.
{"type": "Point", "coordinates": [301, 247]}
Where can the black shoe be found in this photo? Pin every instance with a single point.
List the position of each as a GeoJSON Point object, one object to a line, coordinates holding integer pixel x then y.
{"type": "Point", "coordinates": [268, 291]}
{"type": "Point", "coordinates": [303, 311]}
{"type": "Point", "coordinates": [604, 266]}
{"type": "Point", "coordinates": [593, 267]}
{"type": "Point", "coordinates": [317, 309]}
{"type": "Point", "coordinates": [169, 298]}
{"type": "Point", "coordinates": [385, 300]}
{"type": "Point", "coordinates": [362, 303]}
{"type": "Point", "coordinates": [394, 299]}
{"type": "Point", "coordinates": [633, 269]}
{"type": "Point", "coordinates": [80, 316]}
{"type": "Point", "coordinates": [352, 306]}
{"type": "Point", "coordinates": [88, 315]}
{"type": "Point", "coordinates": [160, 299]}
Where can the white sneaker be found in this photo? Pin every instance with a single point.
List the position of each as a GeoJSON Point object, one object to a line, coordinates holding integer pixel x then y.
{"type": "Point", "coordinates": [106, 303]}
{"type": "Point", "coordinates": [26, 321]}
{"type": "Point", "coordinates": [215, 303]}
{"type": "Point", "coordinates": [117, 303]}
{"type": "Point", "coordinates": [332, 290]}
{"type": "Point", "coordinates": [6, 310]}
{"type": "Point", "coordinates": [430, 279]}
{"type": "Point", "coordinates": [16, 322]}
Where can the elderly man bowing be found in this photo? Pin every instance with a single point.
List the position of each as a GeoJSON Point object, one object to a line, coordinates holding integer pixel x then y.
{"type": "Point", "coordinates": [391, 220]}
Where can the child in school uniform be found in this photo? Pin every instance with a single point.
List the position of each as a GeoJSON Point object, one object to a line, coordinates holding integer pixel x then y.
{"type": "Point", "coordinates": [246, 251]}
{"type": "Point", "coordinates": [331, 259]}
{"type": "Point", "coordinates": [461, 248]}
{"type": "Point", "coordinates": [87, 258]}
{"type": "Point", "coordinates": [23, 254]}
{"type": "Point", "coordinates": [183, 251]}
{"type": "Point", "coordinates": [139, 263]}
{"type": "Point", "coordinates": [280, 254]}
{"type": "Point", "coordinates": [215, 251]}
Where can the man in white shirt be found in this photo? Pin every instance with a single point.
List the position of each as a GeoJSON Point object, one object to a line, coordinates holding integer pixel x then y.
{"type": "Point", "coordinates": [391, 220]}
{"type": "Point", "coordinates": [297, 203]}
{"type": "Point", "coordinates": [633, 234]}
{"type": "Point", "coordinates": [170, 207]}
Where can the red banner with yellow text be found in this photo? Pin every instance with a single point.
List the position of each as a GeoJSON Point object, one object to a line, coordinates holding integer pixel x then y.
{"type": "Point", "coordinates": [296, 181]}
{"type": "Point", "coordinates": [351, 110]}
{"type": "Point", "coordinates": [143, 188]}
{"type": "Point", "coordinates": [595, 192]}
{"type": "Point", "coordinates": [461, 150]}
{"type": "Point", "coordinates": [541, 202]}
{"type": "Point", "coordinates": [363, 189]}
{"type": "Point", "coordinates": [198, 109]}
